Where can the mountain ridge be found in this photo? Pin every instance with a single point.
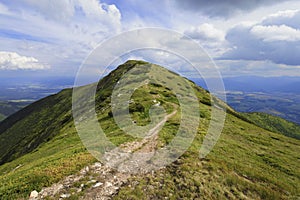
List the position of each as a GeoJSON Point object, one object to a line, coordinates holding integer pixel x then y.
{"type": "Point", "coordinates": [240, 166]}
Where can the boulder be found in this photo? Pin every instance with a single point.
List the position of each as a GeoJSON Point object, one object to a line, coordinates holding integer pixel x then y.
{"type": "Point", "coordinates": [34, 194]}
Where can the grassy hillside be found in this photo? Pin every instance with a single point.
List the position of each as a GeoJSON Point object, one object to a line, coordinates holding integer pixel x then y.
{"type": "Point", "coordinates": [25, 130]}
{"type": "Point", "coordinates": [274, 124]}
{"type": "Point", "coordinates": [248, 162]}
{"type": "Point", "coordinates": [2, 117]}
{"type": "Point", "coordinates": [9, 107]}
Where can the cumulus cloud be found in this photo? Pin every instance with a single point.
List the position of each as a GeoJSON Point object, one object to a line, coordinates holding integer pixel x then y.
{"type": "Point", "coordinates": [289, 18]}
{"type": "Point", "coordinates": [225, 8]}
{"type": "Point", "coordinates": [272, 39]}
{"type": "Point", "coordinates": [209, 37]}
{"type": "Point", "coordinates": [275, 33]}
{"type": "Point", "coordinates": [14, 61]}
{"type": "Point", "coordinates": [206, 32]}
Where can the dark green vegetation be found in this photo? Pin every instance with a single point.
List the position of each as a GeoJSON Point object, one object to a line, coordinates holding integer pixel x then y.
{"type": "Point", "coordinates": [9, 107]}
{"type": "Point", "coordinates": [25, 130]}
{"type": "Point", "coordinates": [39, 146]}
{"type": "Point", "coordinates": [2, 117]}
{"type": "Point", "coordinates": [274, 124]}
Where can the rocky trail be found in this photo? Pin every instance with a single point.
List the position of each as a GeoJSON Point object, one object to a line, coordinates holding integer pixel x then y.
{"type": "Point", "coordinates": [102, 181]}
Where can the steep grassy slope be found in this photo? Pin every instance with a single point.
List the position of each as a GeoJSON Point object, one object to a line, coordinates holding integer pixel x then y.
{"type": "Point", "coordinates": [2, 117]}
{"type": "Point", "coordinates": [61, 156]}
{"type": "Point", "coordinates": [39, 122]}
{"type": "Point", "coordinates": [9, 107]}
{"type": "Point", "coordinates": [274, 124]}
{"type": "Point", "coordinates": [247, 162]}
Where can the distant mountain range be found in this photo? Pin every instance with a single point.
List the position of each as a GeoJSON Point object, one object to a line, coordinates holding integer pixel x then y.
{"type": "Point", "coordinates": [281, 84]}
{"type": "Point", "coordinates": [16, 93]}
{"type": "Point", "coordinates": [279, 96]}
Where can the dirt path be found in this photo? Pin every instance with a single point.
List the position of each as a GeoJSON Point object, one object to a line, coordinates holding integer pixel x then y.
{"type": "Point", "coordinates": [100, 181]}
{"type": "Point", "coordinates": [135, 157]}
{"type": "Point", "coordinates": [146, 145]}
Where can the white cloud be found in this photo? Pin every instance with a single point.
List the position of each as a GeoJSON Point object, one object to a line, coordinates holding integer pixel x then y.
{"type": "Point", "coordinates": [64, 11]}
{"type": "Point", "coordinates": [209, 37]}
{"type": "Point", "coordinates": [275, 39]}
{"type": "Point", "coordinates": [289, 18]}
{"type": "Point", "coordinates": [283, 13]}
{"type": "Point", "coordinates": [14, 61]}
{"type": "Point", "coordinates": [63, 32]}
{"type": "Point", "coordinates": [58, 32]}
{"type": "Point", "coordinates": [52, 10]}
{"type": "Point", "coordinates": [206, 32]}
{"type": "Point", "coordinates": [276, 33]}
{"type": "Point", "coordinates": [3, 9]}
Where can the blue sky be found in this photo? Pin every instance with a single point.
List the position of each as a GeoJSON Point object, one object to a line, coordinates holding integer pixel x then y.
{"type": "Point", "coordinates": [53, 37]}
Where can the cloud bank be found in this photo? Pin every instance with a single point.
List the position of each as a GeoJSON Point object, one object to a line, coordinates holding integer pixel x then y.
{"type": "Point", "coordinates": [276, 38]}
{"type": "Point", "coordinates": [58, 32]}
{"type": "Point", "coordinates": [62, 33]}
{"type": "Point", "coordinates": [14, 61]}
{"type": "Point", "coordinates": [224, 8]}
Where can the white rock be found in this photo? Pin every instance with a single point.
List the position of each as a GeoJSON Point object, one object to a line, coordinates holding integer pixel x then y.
{"type": "Point", "coordinates": [108, 184]}
{"type": "Point", "coordinates": [91, 181]}
{"type": "Point", "coordinates": [65, 195]}
{"type": "Point", "coordinates": [97, 184]}
{"type": "Point", "coordinates": [34, 194]}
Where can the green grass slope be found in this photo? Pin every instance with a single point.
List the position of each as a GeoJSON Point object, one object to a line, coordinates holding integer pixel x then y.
{"type": "Point", "coordinates": [248, 162]}
{"type": "Point", "coordinates": [2, 117]}
{"type": "Point", "coordinates": [9, 107]}
{"type": "Point", "coordinates": [274, 124]}
{"type": "Point", "coordinates": [25, 130]}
